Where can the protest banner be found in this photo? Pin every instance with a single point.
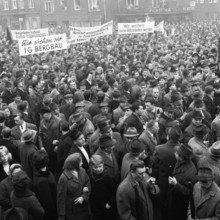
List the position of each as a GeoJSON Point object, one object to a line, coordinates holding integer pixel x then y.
{"type": "Point", "coordinates": [84, 34]}
{"type": "Point", "coordinates": [24, 34]}
{"type": "Point", "coordinates": [136, 28]}
{"type": "Point", "coordinates": [42, 44]}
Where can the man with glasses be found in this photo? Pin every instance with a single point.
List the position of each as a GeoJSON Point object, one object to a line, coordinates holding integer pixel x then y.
{"type": "Point", "coordinates": [133, 199]}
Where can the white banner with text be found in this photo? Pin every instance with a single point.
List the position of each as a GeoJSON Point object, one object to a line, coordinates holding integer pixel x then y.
{"type": "Point", "coordinates": [42, 44]}
{"type": "Point", "coordinates": [24, 34]}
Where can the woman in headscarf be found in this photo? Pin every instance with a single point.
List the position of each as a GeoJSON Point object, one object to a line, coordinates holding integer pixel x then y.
{"type": "Point", "coordinates": [73, 190]}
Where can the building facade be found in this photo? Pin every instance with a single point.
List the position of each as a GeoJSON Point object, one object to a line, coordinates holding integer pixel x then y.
{"type": "Point", "coordinates": [206, 9]}
{"type": "Point", "coordinates": [19, 14]}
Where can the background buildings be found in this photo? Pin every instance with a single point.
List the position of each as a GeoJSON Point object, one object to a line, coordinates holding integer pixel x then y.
{"type": "Point", "coordinates": [28, 14]}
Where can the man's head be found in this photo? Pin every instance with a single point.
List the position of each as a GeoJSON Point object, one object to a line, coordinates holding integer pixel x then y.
{"type": "Point", "coordinates": [138, 170]}
{"type": "Point", "coordinates": [19, 119]}
{"type": "Point", "coordinates": [153, 126]}
{"type": "Point", "coordinates": [205, 177]}
{"type": "Point", "coordinates": [149, 104]}
{"type": "Point", "coordinates": [137, 108]}
{"type": "Point", "coordinates": [155, 92]}
{"type": "Point", "coordinates": [197, 117]}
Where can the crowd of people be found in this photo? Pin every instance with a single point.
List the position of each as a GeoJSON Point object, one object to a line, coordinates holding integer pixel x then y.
{"type": "Point", "coordinates": [120, 127]}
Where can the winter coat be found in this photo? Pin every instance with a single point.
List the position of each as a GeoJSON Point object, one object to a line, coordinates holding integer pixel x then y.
{"type": "Point", "coordinates": [70, 188]}
{"type": "Point", "coordinates": [45, 188]}
{"type": "Point", "coordinates": [132, 201]}
{"type": "Point", "coordinates": [28, 201]}
{"type": "Point", "coordinates": [207, 206]}
{"type": "Point", "coordinates": [180, 195]}
{"type": "Point", "coordinates": [103, 192]}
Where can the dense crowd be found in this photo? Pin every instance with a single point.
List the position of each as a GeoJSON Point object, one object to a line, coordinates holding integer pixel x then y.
{"type": "Point", "coordinates": [121, 127]}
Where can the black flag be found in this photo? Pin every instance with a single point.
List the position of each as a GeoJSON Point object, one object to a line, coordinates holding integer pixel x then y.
{"type": "Point", "coordinates": [8, 36]}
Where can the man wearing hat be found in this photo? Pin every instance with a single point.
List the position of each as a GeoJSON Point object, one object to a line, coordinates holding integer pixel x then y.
{"type": "Point", "coordinates": [181, 183]}
{"type": "Point", "coordinates": [199, 143]}
{"type": "Point", "coordinates": [212, 160]}
{"type": "Point", "coordinates": [197, 120]}
{"type": "Point", "coordinates": [105, 150]}
{"type": "Point", "coordinates": [209, 101]}
{"type": "Point", "coordinates": [104, 112]}
{"type": "Point", "coordinates": [27, 150]}
{"type": "Point", "coordinates": [166, 121]}
{"type": "Point", "coordinates": [79, 122]}
{"type": "Point", "coordinates": [49, 134]}
{"type": "Point", "coordinates": [68, 107]}
{"type": "Point", "coordinates": [80, 108]}
{"type": "Point", "coordinates": [206, 195]}
{"type": "Point", "coordinates": [136, 151]}
{"type": "Point", "coordinates": [198, 106]}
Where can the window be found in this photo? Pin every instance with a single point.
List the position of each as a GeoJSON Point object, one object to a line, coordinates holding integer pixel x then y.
{"type": "Point", "coordinates": [14, 4]}
{"type": "Point", "coordinates": [155, 3]}
{"type": "Point", "coordinates": [201, 1]}
{"type": "Point", "coordinates": [31, 3]}
{"type": "Point", "coordinates": [94, 5]}
{"type": "Point", "coordinates": [6, 6]}
{"type": "Point", "coordinates": [215, 1]}
{"type": "Point", "coordinates": [209, 1]}
{"type": "Point", "coordinates": [21, 4]}
{"type": "Point", "coordinates": [49, 7]}
{"type": "Point", "coordinates": [77, 5]}
{"type": "Point", "coordinates": [132, 4]}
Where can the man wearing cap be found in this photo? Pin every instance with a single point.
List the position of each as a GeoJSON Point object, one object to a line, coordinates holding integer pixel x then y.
{"type": "Point", "coordinates": [212, 160]}
{"type": "Point", "coordinates": [67, 108]}
{"type": "Point", "coordinates": [209, 101]}
{"type": "Point", "coordinates": [105, 150]}
{"type": "Point", "coordinates": [104, 112]}
{"type": "Point", "coordinates": [163, 164]}
{"type": "Point", "coordinates": [206, 196]}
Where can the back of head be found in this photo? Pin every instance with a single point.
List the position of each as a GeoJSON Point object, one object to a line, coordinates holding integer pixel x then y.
{"type": "Point", "coordinates": [40, 159]}
{"type": "Point", "coordinates": [175, 133]}
{"type": "Point", "coordinates": [15, 213]}
{"type": "Point", "coordinates": [20, 181]}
